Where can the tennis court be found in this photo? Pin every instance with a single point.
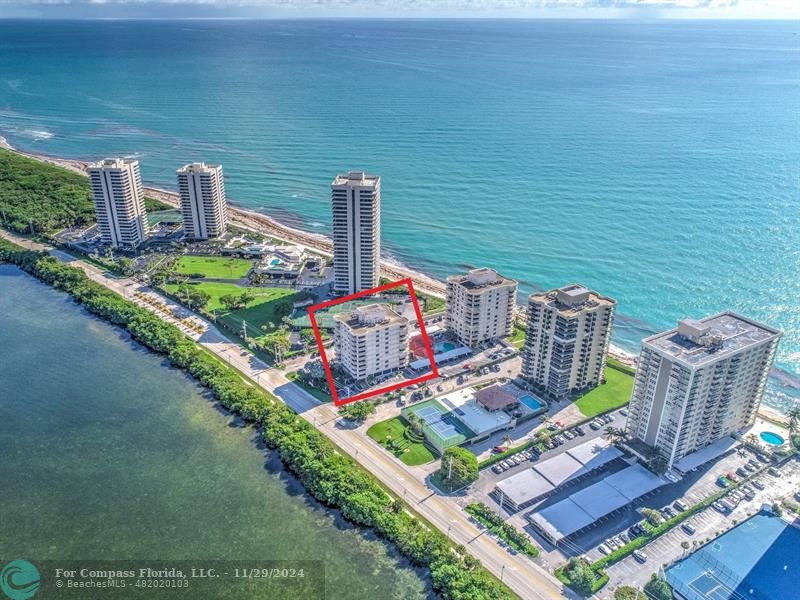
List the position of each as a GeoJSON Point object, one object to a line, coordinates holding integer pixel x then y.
{"type": "Point", "coordinates": [756, 560]}
{"type": "Point", "coordinates": [441, 428]}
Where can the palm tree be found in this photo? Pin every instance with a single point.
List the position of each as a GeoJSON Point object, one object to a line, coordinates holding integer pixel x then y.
{"type": "Point", "coordinates": [507, 441]}
{"type": "Point", "coordinates": [611, 434]}
{"type": "Point", "coordinates": [794, 419]}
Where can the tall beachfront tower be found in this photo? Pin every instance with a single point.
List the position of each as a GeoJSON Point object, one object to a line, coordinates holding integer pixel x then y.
{"type": "Point", "coordinates": [567, 339]}
{"type": "Point", "coordinates": [371, 340]}
{"type": "Point", "coordinates": [203, 204]}
{"type": "Point", "coordinates": [119, 202]}
{"type": "Point", "coordinates": [356, 205]}
{"type": "Point", "coordinates": [480, 306]}
{"type": "Point", "coordinates": [700, 383]}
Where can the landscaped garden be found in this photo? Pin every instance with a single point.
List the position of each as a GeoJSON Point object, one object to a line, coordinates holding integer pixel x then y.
{"type": "Point", "coordinates": [614, 393]}
{"type": "Point", "coordinates": [213, 267]}
{"type": "Point", "coordinates": [398, 438]}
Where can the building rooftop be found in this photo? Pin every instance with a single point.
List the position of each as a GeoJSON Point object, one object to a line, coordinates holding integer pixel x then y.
{"type": "Point", "coordinates": [371, 316]}
{"type": "Point", "coordinates": [480, 279]}
{"type": "Point", "coordinates": [198, 167]}
{"type": "Point", "coordinates": [113, 163]}
{"type": "Point", "coordinates": [697, 342]}
{"type": "Point", "coordinates": [357, 178]}
{"type": "Point", "coordinates": [494, 397]}
{"type": "Point", "coordinates": [572, 299]}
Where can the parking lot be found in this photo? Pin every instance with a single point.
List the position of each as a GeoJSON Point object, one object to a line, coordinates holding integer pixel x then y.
{"type": "Point", "coordinates": [480, 490]}
{"type": "Point", "coordinates": [693, 488]}
{"type": "Point", "coordinates": [707, 523]}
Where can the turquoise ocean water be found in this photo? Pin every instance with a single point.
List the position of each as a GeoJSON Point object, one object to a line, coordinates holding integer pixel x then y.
{"type": "Point", "coordinates": [658, 163]}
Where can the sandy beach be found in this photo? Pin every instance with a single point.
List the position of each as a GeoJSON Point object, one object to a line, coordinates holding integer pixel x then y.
{"type": "Point", "coordinates": [266, 225]}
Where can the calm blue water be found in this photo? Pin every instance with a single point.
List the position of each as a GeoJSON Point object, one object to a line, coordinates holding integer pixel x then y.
{"type": "Point", "coordinates": [658, 163]}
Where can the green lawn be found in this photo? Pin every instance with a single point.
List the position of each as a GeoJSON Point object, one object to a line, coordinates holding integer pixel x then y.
{"type": "Point", "coordinates": [269, 305]}
{"type": "Point", "coordinates": [216, 267]}
{"type": "Point", "coordinates": [615, 392]}
{"type": "Point", "coordinates": [410, 453]}
{"type": "Point", "coordinates": [517, 336]}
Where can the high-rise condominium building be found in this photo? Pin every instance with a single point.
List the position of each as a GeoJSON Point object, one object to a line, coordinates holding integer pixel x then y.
{"type": "Point", "coordinates": [567, 338]}
{"type": "Point", "coordinates": [356, 203]}
{"type": "Point", "coordinates": [203, 204]}
{"type": "Point", "coordinates": [480, 306]}
{"type": "Point", "coordinates": [370, 340]}
{"type": "Point", "coordinates": [119, 202]}
{"type": "Point", "coordinates": [700, 382]}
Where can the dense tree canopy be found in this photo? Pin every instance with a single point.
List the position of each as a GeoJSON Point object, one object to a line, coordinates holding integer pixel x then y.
{"type": "Point", "coordinates": [459, 468]}
{"type": "Point", "coordinates": [42, 195]}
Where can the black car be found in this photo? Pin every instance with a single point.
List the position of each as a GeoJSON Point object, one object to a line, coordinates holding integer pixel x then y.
{"type": "Point", "coordinates": [579, 430]}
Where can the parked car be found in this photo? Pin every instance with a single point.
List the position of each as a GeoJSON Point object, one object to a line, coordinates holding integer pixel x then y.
{"type": "Point", "coordinates": [499, 449]}
{"type": "Point", "coordinates": [749, 494]}
{"type": "Point", "coordinates": [670, 512]}
{"type": "Point", "coordinates": [618, 541]}
{"type": "Point", "coordinates": [732, 477]}
{"type": "Point", "coordinates": [611, 544]}
{"type": "Point", "coordinates": [503, 464]}
{"type": "Point", "coordinates": [624, 537]}
{"type": "Point", "coordinates": [594, 425]}
{"type": "Point", "coordinates": [560, 439]}
{"type": "Point", "coordinates": [603, 549]}
{"type": "Point", "coordinates": [758, 485]}
{"type": "Point", "coordinates": [497, 468]}
{"type": "Point", "coordinates": [640, 556]}
{"type": "Point", "coordinates": [525, 454]}
{"type": "Point", "coordinates": [680, 505]}
{"type": "Point", "coordinates": [569, 435]}
{"type": "Point", "coordinates": [727, 504]}
{"type": "Point", "coordinates": [688, 528]}
{"type": "Point", "coordinates": [722, 481]}
{"type": "Point", "coordinates": [635, 531]}
{"type": "Point", "coordinates": [741, 472]}
{"type": "Point", "coordinates": [579, 430]}
{"type": "Point", "coordinates": [762, 458]}
{"type": "Point", "coordinates": [719, 507]}
{"type": "Point", "coordinates": [748, 467]}
{"type": "Point", "coordinates": [623, 412]}
{"type": "Point", "coordinates": [773, 471]}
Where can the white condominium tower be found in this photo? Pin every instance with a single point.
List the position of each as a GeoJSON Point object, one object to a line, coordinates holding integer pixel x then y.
{"type": "Point", "coordinates": [119, 202]}
{"type": "Point", "coordinates": [203, 205]}
{"type": "Point", "coordinates": [566, 344]}
{"type": "Point", "coordinates": [480, 306]}
{"type": "Point", "coordinates": [370, 340]}
{"type": "Point", "coordinates": [356, 203]}
{"type": "Point", "coordinates": [700, 382]}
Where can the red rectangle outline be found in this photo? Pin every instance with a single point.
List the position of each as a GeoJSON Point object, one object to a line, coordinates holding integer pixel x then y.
{"type": "Point", "coordinates": [389, 388]}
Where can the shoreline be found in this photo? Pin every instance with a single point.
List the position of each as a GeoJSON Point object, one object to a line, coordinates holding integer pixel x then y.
{"type": "Point", "coordinates": [267, 225]}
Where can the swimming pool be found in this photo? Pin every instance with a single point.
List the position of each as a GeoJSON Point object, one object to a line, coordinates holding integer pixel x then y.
{"type": "Point", "coordinates": [440, 347]}
{"type": "Point", "coordinates": [771, 438]}
{"type": "Point", "coordinates": [531, 402]}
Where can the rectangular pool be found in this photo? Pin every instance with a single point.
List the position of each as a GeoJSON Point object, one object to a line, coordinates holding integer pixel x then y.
{"type": "Point", "coordinates": [532, 402]}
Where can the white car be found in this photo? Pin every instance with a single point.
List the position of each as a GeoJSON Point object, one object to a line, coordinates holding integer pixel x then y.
{"type": "Point", "coordinates": [611, 544]}
{"type": "Point", "coordinates": [603, 549]}
{"type": "Point", "coordinates": [569, 435]}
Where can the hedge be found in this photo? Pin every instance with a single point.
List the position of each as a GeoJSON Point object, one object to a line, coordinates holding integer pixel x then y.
{"type": "Point", "coordinates": [328, 475]}
{"type": "Point", "coordinates": [495, 523]}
